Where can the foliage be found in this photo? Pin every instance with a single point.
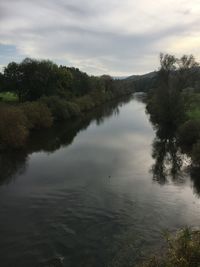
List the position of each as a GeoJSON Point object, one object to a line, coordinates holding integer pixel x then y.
{"type": "Point", "coordinates": [192, 104]}
{"type": "Point", "coordinates": [194, 114]}
{"type": "Point", "coordinates": [13, 127]}
{"type": "Point", "coordinates": [189, 132]}
{"type": "Point", "coordinates": [60, 108]}
{"type": "Point", "coordinates": [48, 92]}
{"type": "Point", "coordinates": [8, 97]}
{"type": "Point", "coordinates": [32, 79]}
{"type": "Point", "coordinates": [85, 103]}
{"type": "Point", "coordinates": [183, 250]}
{"type": "Point", "coordinates": [38, 115]}
{"type": "Point", "coordinates": [173, 105]}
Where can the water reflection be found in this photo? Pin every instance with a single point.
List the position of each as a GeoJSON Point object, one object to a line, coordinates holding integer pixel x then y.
{"type": "Point", "coordinates": [67, 211]}
{"type": "Point", "coordinates": [195, 177]}
{"type": "Point", "coordinates": [13, 163]}
{"type": "Point", "coordinates": [168, 160]}
{"type": "Point", "coordinates": [170, 164]}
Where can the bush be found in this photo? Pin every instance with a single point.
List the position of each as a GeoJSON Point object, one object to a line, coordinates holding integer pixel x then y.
{"type": "Point", "coordinates": [60, 108]}
{"type": "Point", "coordinates": [38, 115]}
{"type": "Point", "coordinates": [57, 107]}
{"type": "Point", "coordinates": [189, 132]}
{"type": "Point", "coordinates": [13, 127]}
{"type": "Point", "coordinates": [85, 103]}
{"type": "Point", "coordinates": [73, 109]}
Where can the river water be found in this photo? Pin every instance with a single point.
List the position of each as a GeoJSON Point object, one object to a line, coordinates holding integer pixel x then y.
{"type": "Point", "coordinates": [83, 194]}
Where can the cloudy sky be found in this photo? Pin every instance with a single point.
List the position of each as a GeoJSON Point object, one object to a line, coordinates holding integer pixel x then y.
{"type": "Point", "coordinates": [118, 37]}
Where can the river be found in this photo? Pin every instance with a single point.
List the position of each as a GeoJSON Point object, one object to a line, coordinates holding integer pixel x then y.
{"type": "Point", "coordinates": [84, 193]}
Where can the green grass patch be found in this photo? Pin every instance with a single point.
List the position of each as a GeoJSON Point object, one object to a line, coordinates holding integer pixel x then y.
{"type": "Point", "coordinates": [8, 97]}
{"type": "Point", "coordinates": [194, 114]}
{"type": "Point", "coordinates": [193, 106]}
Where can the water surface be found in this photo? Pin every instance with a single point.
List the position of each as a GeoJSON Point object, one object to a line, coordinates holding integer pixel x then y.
{"type": "Point", "coordinates": [83, 194]}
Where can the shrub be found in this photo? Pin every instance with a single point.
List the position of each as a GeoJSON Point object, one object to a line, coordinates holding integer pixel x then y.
{"type": "Point", "coordinates": [38, 115]}
{"type": "Point", "coordinates": [57, 107]}
{"type": "Point", "coordinates": [85, 103]}
{"type": "Point", "coordinates": [183, 250]}
{"type": "Point", "coordinates": [189, 132]}
{"type": "Point", "coordinates": [13, 127]}
{"type": "Point", "coordinates": [73, 109]}
{"type": "Point", "coordinates": [60, 108]}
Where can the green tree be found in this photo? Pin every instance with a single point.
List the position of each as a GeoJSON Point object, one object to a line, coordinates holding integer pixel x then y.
{"type": "Point", "coordinates": [13, 80]}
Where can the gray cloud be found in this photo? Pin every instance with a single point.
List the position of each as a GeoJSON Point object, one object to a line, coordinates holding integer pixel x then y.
{"type": "Point", "coordinates": [99, 36]}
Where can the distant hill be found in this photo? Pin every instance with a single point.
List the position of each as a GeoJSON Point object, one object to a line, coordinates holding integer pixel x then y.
{"type": "Point", "coordinates": [119, 77]}
{"type": "Point", "coordinates": [140, 83]}
{"type": "Point", "coordinates": [149, 75]}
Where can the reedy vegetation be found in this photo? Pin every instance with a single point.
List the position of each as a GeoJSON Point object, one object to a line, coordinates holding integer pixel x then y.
{"type": "Point", "coordinates": [183, 250]}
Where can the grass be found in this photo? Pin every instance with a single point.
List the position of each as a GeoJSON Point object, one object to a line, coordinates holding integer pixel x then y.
{"type": "Point", "coordinates": [183, 250]}
{"type": "Point", "coordinates": [193, 106]}
{"type": "Point", "coordinates": [8, 97]}
{"type": "Point", "coordinates": [194, 114]}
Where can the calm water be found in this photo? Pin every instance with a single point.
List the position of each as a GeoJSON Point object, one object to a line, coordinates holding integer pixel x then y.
{"type": "Point", "coordinates": [84, 195]}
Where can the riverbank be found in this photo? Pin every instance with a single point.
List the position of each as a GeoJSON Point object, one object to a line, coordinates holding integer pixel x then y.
{"type": "Point", "coordinates": [68, 207]}
{"type": "Point", "coordinates": [19, 120]}
{"type": "Point", "coordinates": [182, 250]}
{"type": "Point", "coordinates": [35, 94]}
{"type": "Point", "coordinates": [174, 106]}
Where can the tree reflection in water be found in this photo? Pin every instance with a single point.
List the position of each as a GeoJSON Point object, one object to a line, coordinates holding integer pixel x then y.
{"type": "Point", "coordinates": [14, 163]}
{"type": "Point", "coordinates": [170, 163]}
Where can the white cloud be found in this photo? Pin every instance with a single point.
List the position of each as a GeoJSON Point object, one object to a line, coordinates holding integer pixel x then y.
{"type": "Point", "coordinates": [117, 37]}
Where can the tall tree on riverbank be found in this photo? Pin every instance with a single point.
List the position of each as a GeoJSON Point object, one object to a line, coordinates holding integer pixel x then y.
{"type": "Point", "coordinates": [166, 104]}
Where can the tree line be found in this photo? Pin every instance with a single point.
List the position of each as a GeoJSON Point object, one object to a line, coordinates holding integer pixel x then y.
{"type": "Point", "coordinates": [31, 79]}
{"type": "Point", "coordinates": [47, 93]}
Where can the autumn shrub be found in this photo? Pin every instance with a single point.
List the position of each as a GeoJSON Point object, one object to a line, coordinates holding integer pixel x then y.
{"type": "Point", "coordinates": [13, 127]}
{"type": "Point", "coordinates": [38, 115]}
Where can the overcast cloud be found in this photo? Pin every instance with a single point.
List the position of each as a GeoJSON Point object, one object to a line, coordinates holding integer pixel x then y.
{"type": "Point", "coordinates": [118, 37]}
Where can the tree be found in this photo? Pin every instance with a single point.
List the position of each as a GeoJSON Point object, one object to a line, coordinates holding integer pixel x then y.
{"type": "Point", "coordinates": [13, 76]}
{"type": "Point", "coordinates": [187, 69]}
{"type": "Point", "coordinates": [107, 82]}
{"type": "Point", "coordinates": [32, 79]}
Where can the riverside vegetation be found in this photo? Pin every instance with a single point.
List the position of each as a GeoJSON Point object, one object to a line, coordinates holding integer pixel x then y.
{"type": "Point", "coordinates": [35, 94]}
{"type": "Point", "coordinates": [174, 108]}
{"type": "Point", "coordinates": [183, 250]}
